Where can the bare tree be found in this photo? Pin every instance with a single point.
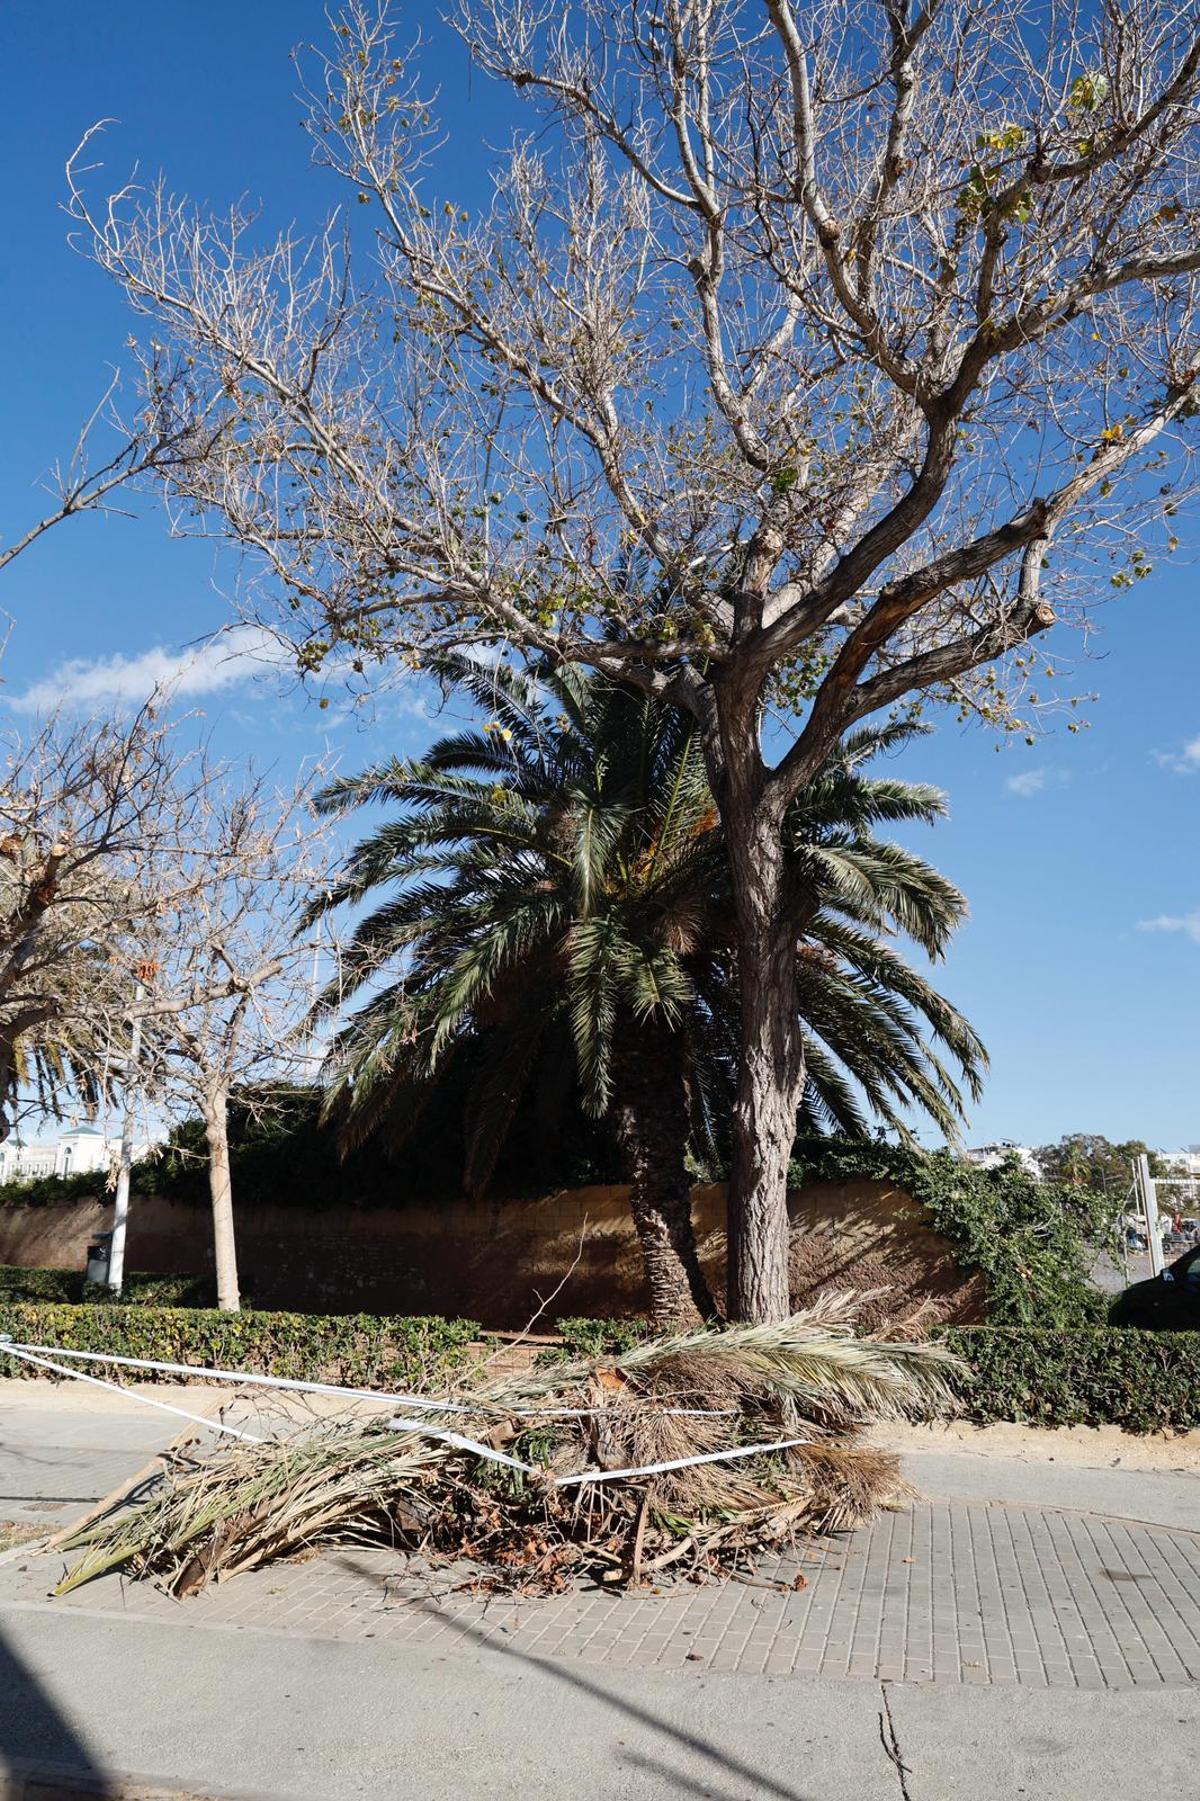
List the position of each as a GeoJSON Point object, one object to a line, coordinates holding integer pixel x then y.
{"type": "Point", "coordinates": [229, 980]}
{"type": "Point", "coordinates": [169, 429]}
{"type": "Point", "coordinates": [92, 813]}
{"type": "Point", "coordinates": [806, 361]}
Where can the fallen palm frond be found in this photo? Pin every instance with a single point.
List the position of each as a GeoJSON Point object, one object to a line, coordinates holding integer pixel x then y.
{"type": "Point", "coordinates": [527, 1520]}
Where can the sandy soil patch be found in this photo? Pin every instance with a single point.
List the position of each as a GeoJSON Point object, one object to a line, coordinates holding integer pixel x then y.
{"type": "Point", "coordinates": [1085, 1447]}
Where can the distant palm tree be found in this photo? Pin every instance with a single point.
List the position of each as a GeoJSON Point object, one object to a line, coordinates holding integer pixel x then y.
{"type": "Point", "coordinates": [556, 885]}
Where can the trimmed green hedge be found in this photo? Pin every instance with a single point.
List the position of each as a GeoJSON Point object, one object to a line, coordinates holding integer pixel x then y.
{"type": "Point", "coordinates": [71, 1285]}
{"type": "Point", "coordinates": [40, 1284]}
{"type": "Point", "coordinates": [1091, 1376]}
{"type": "Point", "coordinates": [359, 1350]}
{"type": "Point", "coordinates": [587, 1337]}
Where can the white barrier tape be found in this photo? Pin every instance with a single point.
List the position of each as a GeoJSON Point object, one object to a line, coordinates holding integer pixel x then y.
{"type": "Point", "coordinates": [645, 1469]}
{"type": "Point", "coordinates": [293, 1383]}
{"type": "Point", "coordinates": [677, 1463]}
{"type": "Point", "coordinates": [463, 1444]}
{"type": "Point", "coordinates": [699, 1413]}
{"type": "Point", "coordinates": [27, 1354]}
{"type": "Point", "coordinates": [243, 1377]}
{"type": "Point", "coordinates": [61, 1369]}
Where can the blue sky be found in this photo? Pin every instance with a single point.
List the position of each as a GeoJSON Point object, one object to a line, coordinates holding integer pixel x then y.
{"type": "Point", "coordinates": [1081, 962]}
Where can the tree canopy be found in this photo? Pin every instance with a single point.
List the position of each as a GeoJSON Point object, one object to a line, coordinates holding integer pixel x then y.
{"type": "Point", "coordinates": [801, 361]}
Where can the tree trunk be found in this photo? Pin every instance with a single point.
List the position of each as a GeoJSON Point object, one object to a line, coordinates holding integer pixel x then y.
{"type": "Point", "coordinates": [771, 1069]}
{"type": "Point", "coordinates": [650, 1114]}
{"type": "Point", "coordinates": [8, 1057]}
{"type": "Point", "coordinates": [220, 1187]}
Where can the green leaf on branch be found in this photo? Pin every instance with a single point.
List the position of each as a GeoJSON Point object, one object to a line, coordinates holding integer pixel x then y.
{"type": "Point", "coordinates": [1089, 92]}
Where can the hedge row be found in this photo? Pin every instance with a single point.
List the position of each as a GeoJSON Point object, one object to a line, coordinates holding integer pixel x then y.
{"type": "Point", "coordinates": [1091, 1376]}
{"type": "Point", "coordinates": [1088, 1376]}
{"type": "Point", "coordinates": [139, 1290]}
{"type": "Point", "coordinates": [359, 1350]}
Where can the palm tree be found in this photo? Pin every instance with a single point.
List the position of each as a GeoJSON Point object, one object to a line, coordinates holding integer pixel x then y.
{"type": "Point", "coordinates": [557, 886]}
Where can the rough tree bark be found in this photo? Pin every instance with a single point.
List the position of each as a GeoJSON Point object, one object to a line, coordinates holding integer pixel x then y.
{"type": "Point", "coordinates": [650, 1114]}
{"type": "Point", "coordinates": [220, 1186]}
{"type": "Point", "coordinates": [771, 1065]}
{"type": "Point", "coordinates": [770, 1084]}
{"type": "Point", "coordinates": [7, 1065]}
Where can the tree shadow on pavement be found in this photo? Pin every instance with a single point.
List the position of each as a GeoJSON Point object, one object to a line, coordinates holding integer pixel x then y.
{"type": "Point", "coordinates": [719, 1759]}
{"type": "Point", "coordinates": [38, 1742]}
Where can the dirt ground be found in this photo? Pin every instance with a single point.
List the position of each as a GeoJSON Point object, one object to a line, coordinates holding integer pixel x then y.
{"type": "Point", "coordinates": [1085, 1447]}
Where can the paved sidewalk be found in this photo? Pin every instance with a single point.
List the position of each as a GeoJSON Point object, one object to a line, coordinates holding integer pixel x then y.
{"type": "Point", "coordinates": [1075, 1629]}
{"type": "Point", "coordinates": [959, 1589]}
{"type": "Point", "coordinates": [301, 1719]}
{"type": "Point", "coordinates": [947, 1592]}
{"type": "Point", "coordinates": [1154, 1480]}
{"type": "Point", "coordinates": [64, 1447]}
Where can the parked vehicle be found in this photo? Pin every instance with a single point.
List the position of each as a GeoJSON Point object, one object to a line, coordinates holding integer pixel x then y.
{"type": "Point", "coordinates": [1166, 1303]}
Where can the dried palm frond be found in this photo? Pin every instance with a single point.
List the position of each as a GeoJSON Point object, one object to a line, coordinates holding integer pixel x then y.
{"type": "Point", "coordinates": [812, 1363]}
{"type": "Point", "coordinates": [659, 1403]}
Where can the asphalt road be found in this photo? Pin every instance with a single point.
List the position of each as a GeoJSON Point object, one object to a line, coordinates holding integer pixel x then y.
{"type": "Point", "coordinates": [313, 1720]}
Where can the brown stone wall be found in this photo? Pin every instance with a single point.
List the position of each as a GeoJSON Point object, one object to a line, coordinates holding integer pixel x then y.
{"type": "Point", "coordinates": [501, 1261]}
{"type": "Point", "coordinates": [876, 1240]}
{"type": "Point", "coordinates": [51, 1237]}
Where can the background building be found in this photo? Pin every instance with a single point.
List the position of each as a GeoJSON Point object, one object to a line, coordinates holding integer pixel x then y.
{"type": "Point", "coordinates": [991, 1156]}
{"type": "Point", "coordinates": [78, 1151]}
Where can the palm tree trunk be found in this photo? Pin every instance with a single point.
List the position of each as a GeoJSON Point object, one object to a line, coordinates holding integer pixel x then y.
{"type": "Point", "coordinates": [650, 1114]}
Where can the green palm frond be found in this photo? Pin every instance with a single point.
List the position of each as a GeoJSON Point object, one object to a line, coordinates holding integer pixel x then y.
{"type": "Point", "coordinates": [596, 950]}
{"type": "Point", "coordinates": [814, 1359]}
{"type": "Point", "coordinates": [565, 864]}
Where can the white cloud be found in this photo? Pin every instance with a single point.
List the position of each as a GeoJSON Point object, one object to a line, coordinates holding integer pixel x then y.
{"type": "Point", "coordinates": [1030, 781]}
{"type": "Point", "coordinates": [1187, 923]}
{"type": "Point", "coordinates": [219, 663]}
{"type": "Point", "coordinates": [1183, 762]}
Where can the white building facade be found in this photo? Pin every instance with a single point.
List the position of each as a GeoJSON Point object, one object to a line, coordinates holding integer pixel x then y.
{"type": "Point", "coordinates": [80, 1151]}
{"type": "Point", "coordinates": [991, 1156]}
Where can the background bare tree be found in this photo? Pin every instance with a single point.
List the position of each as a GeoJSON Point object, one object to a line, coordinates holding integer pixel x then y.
{"type": "Point", "coordinates": [229, 978]}
{"type": "Point", "coordinates": [92, 815]}
{"type": "Point", "coordinates": [112, 453]}
{"type": "Point", "coordinates": [806, 361]}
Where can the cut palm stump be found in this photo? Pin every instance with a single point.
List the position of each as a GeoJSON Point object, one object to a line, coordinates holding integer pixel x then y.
{"type": "Point", "coordinates": [619, 1469]}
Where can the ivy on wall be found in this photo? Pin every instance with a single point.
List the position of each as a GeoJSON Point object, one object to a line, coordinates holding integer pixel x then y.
{"type": "Point", "coordinates": [1032, 1242]}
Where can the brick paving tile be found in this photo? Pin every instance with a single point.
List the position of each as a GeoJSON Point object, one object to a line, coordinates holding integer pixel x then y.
{"type": "Point", "coordinates": [969, 1593]}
